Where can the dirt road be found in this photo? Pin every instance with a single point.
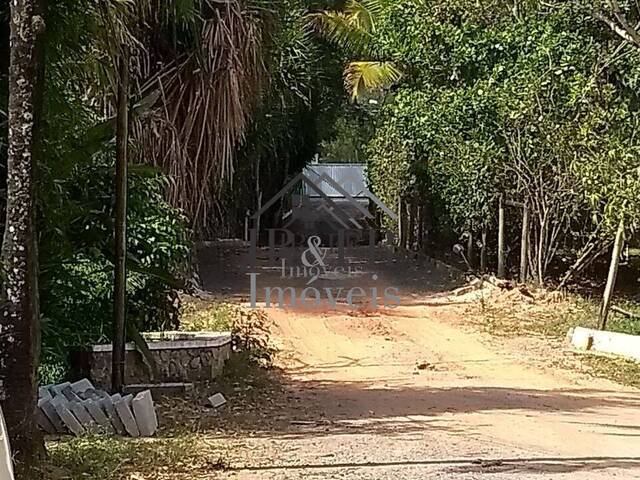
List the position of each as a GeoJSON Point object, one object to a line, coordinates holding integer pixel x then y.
{"type": "Point", "coordinates": [413, 393]}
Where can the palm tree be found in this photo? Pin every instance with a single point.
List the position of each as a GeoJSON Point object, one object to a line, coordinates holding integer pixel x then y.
{"type": "Point", "coordinates": [208, 84]}
{"type": "Point", "coordinates": [19, 323]}
{"type": "Point", "coordinates": [353, 28]}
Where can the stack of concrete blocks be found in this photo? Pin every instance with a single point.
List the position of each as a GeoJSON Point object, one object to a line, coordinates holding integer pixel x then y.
{"type": "Point", "coordinates": [80, 408]}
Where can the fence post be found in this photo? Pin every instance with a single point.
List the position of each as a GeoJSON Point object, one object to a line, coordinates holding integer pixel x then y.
{"type": "Point", "coordinates": [611, 278]}
{"type": "Point", "coordinates": [483, 251]}
{"type": "Point", "coordinates": [524, 242]}
{"type": "Point", "coordinates": [501, 272]}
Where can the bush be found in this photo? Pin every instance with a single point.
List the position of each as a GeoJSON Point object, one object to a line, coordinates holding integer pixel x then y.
{"type": "Point", "coordinates": [77, 269]}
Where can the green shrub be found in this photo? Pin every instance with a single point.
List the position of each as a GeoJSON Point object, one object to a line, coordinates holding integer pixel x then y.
{"type": "Point", "coordinates": [77, 266]}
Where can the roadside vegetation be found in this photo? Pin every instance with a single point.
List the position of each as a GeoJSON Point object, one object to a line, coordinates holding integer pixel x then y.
{"type": "Point", "coordinates": [508, 127]}
{"type": "Point", "coordinates": [528, 108]}
{"type": "Point", "coordinates": [542, 320]}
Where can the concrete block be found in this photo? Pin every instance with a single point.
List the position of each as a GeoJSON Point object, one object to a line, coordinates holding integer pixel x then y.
{"type": "Point", "coordinates": [82, 386]}
{"type": "Point", "coordinates": [57, 389]}
{"type": "Point", "coordinates": [622, 344]}
{"type": "Point", "coordinates": [123, 409]}
{"type": "Point", "coordinates": [217, 400]}
{"type": "Point", "coordinates": [614, 343]}
{"type": "Point", "coordinates": [109, 407]}
{"type": "Point", "coordinates": [50, 411]}
{"type": "Point", "coordinates": [70, 394]}
{"type": "Point", "coordinates": [93, 394]}
{"type": "Point", "coordinates": [582, 338]}
{"type": "Point", "coordinates": [80, 412]}
{"type": "Point", "coordinates": [145, 413]}
{"type": "Point", "coordinates": [98, 415]}
{"type": "Point", "coordinates": [43, 421]}
{"type": "Point", "coordinates": [61, 404]}
{"type": "Point", "coordinates": [44, 393]}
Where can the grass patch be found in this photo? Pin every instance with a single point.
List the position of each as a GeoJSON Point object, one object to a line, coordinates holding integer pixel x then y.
{"type": "Point", "coordinates": [555, 319]}
{"type": "Point", "coordinates": [102, 457]}
{"type": "Point", "coordinates": [200, 315]}
{"type": "Point", "coordinates": [619, 370]}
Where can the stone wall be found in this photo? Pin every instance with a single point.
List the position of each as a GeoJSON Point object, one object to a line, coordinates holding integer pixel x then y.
{"type": "Point", "coordinates": [179, 356]}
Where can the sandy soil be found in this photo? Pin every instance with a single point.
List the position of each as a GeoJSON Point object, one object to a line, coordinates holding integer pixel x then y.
{"type": "Point", "coordinates": [413, 393]}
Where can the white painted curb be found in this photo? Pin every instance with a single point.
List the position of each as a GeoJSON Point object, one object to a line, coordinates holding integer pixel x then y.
{"type": "Point", "coordinates": [621, 344]}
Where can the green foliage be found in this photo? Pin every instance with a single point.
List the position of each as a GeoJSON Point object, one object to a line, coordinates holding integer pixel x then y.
{"type": "Point", "coordinates": [298, 107]}
{"type": "Point", "coordinates": [76, 203]}
{"type": "Point", "coordinates": [537, 104]}
{"type": "Point", "coordinates": [77, 266]}
{"type": "Point", "coordinates": [350, 133]}
{"type": "Point", "coordinates": [354, 28]}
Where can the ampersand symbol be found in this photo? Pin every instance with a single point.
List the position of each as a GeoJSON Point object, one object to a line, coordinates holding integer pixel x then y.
{"type": "Point", "coordinates": [318, 254]}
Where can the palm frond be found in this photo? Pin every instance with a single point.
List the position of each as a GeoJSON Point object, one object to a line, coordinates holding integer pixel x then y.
{"type": "Point", "coordinates": [366, 12]}
{"type": "Point", "coordinates": [204, 106]}
{"type": "Point", "coordinates": [343, 30]}
{"type": "Point", "coordinates": [362, 77]}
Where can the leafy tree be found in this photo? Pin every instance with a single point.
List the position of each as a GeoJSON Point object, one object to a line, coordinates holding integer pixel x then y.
{"type": "Point", "coordinates": [533, 103]}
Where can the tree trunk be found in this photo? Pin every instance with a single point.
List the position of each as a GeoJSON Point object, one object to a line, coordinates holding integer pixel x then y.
{"type": "Point", "coordinates": [611, 279]}
{"type": "Point", "coordinates": [401, 224]}
{"type": "Point", "coordinates": [411, 234]}
{"type": "Point", "coordinates": [483, 252]}
{"type": "Point", "coordinates": [19, 322]}
{"type": "Point", "coordinates": [120, 284]}
{"type": "Point", "coordinates": [412, 223]}
{"type": "Point", "coordinates": [592, 250]}
{"type": "Point", "coordinates": [470, 253]}
{"type": "Point", "coordinates": [501, 269]}
{"type": "Point", "coordinates": [524, 243]}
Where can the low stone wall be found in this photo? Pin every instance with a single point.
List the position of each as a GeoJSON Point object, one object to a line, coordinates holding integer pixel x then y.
{"type": "Point", "coordinates": [180, 357]}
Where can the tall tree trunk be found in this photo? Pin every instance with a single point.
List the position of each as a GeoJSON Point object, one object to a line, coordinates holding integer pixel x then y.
{"type": "Point", "coordinates": [483, 251]}
{"type": "Point", "coordinates": [19, 322]}
{"type": "Point", "coordinates": [470, 251]}
{"type": "Point", "coordinates": [411, 233]}
{"type": "Point", "coordinates": [402, 226]}
{"type": "Point", "coordinates": [501, 267]}
{"type": "Point", "coordinates": [611, 278]}
{"type": "Point", "coordinates": [524, 243]}
{"type": "Point", "coordinates": [120, 284]}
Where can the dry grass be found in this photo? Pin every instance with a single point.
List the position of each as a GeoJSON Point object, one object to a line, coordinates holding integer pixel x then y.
{"type": "Point", "coordinates": [547, 316]}
{"type": "Point", "coordinates": [122, 458]}
{"type": "Point", "coordinates": [205, 98]}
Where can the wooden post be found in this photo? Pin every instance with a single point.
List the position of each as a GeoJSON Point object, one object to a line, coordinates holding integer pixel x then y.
{"type": "Point", "coordinates": [401, 229]}
{"type": "Point", "coordinates": [524, 243]}
{"type": "Point", "coordinates": [411, 212]}
{"type": "Point", "coordinates": [611, 279]}
{"type": "Point", "coordinates": [483, 251]}
{"type": "Point", "coordinates": [470, 255]}
{"type": "Point", "coordinates": [120, 284]}
{"type": "Point", "coordinates": [501, 272]}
